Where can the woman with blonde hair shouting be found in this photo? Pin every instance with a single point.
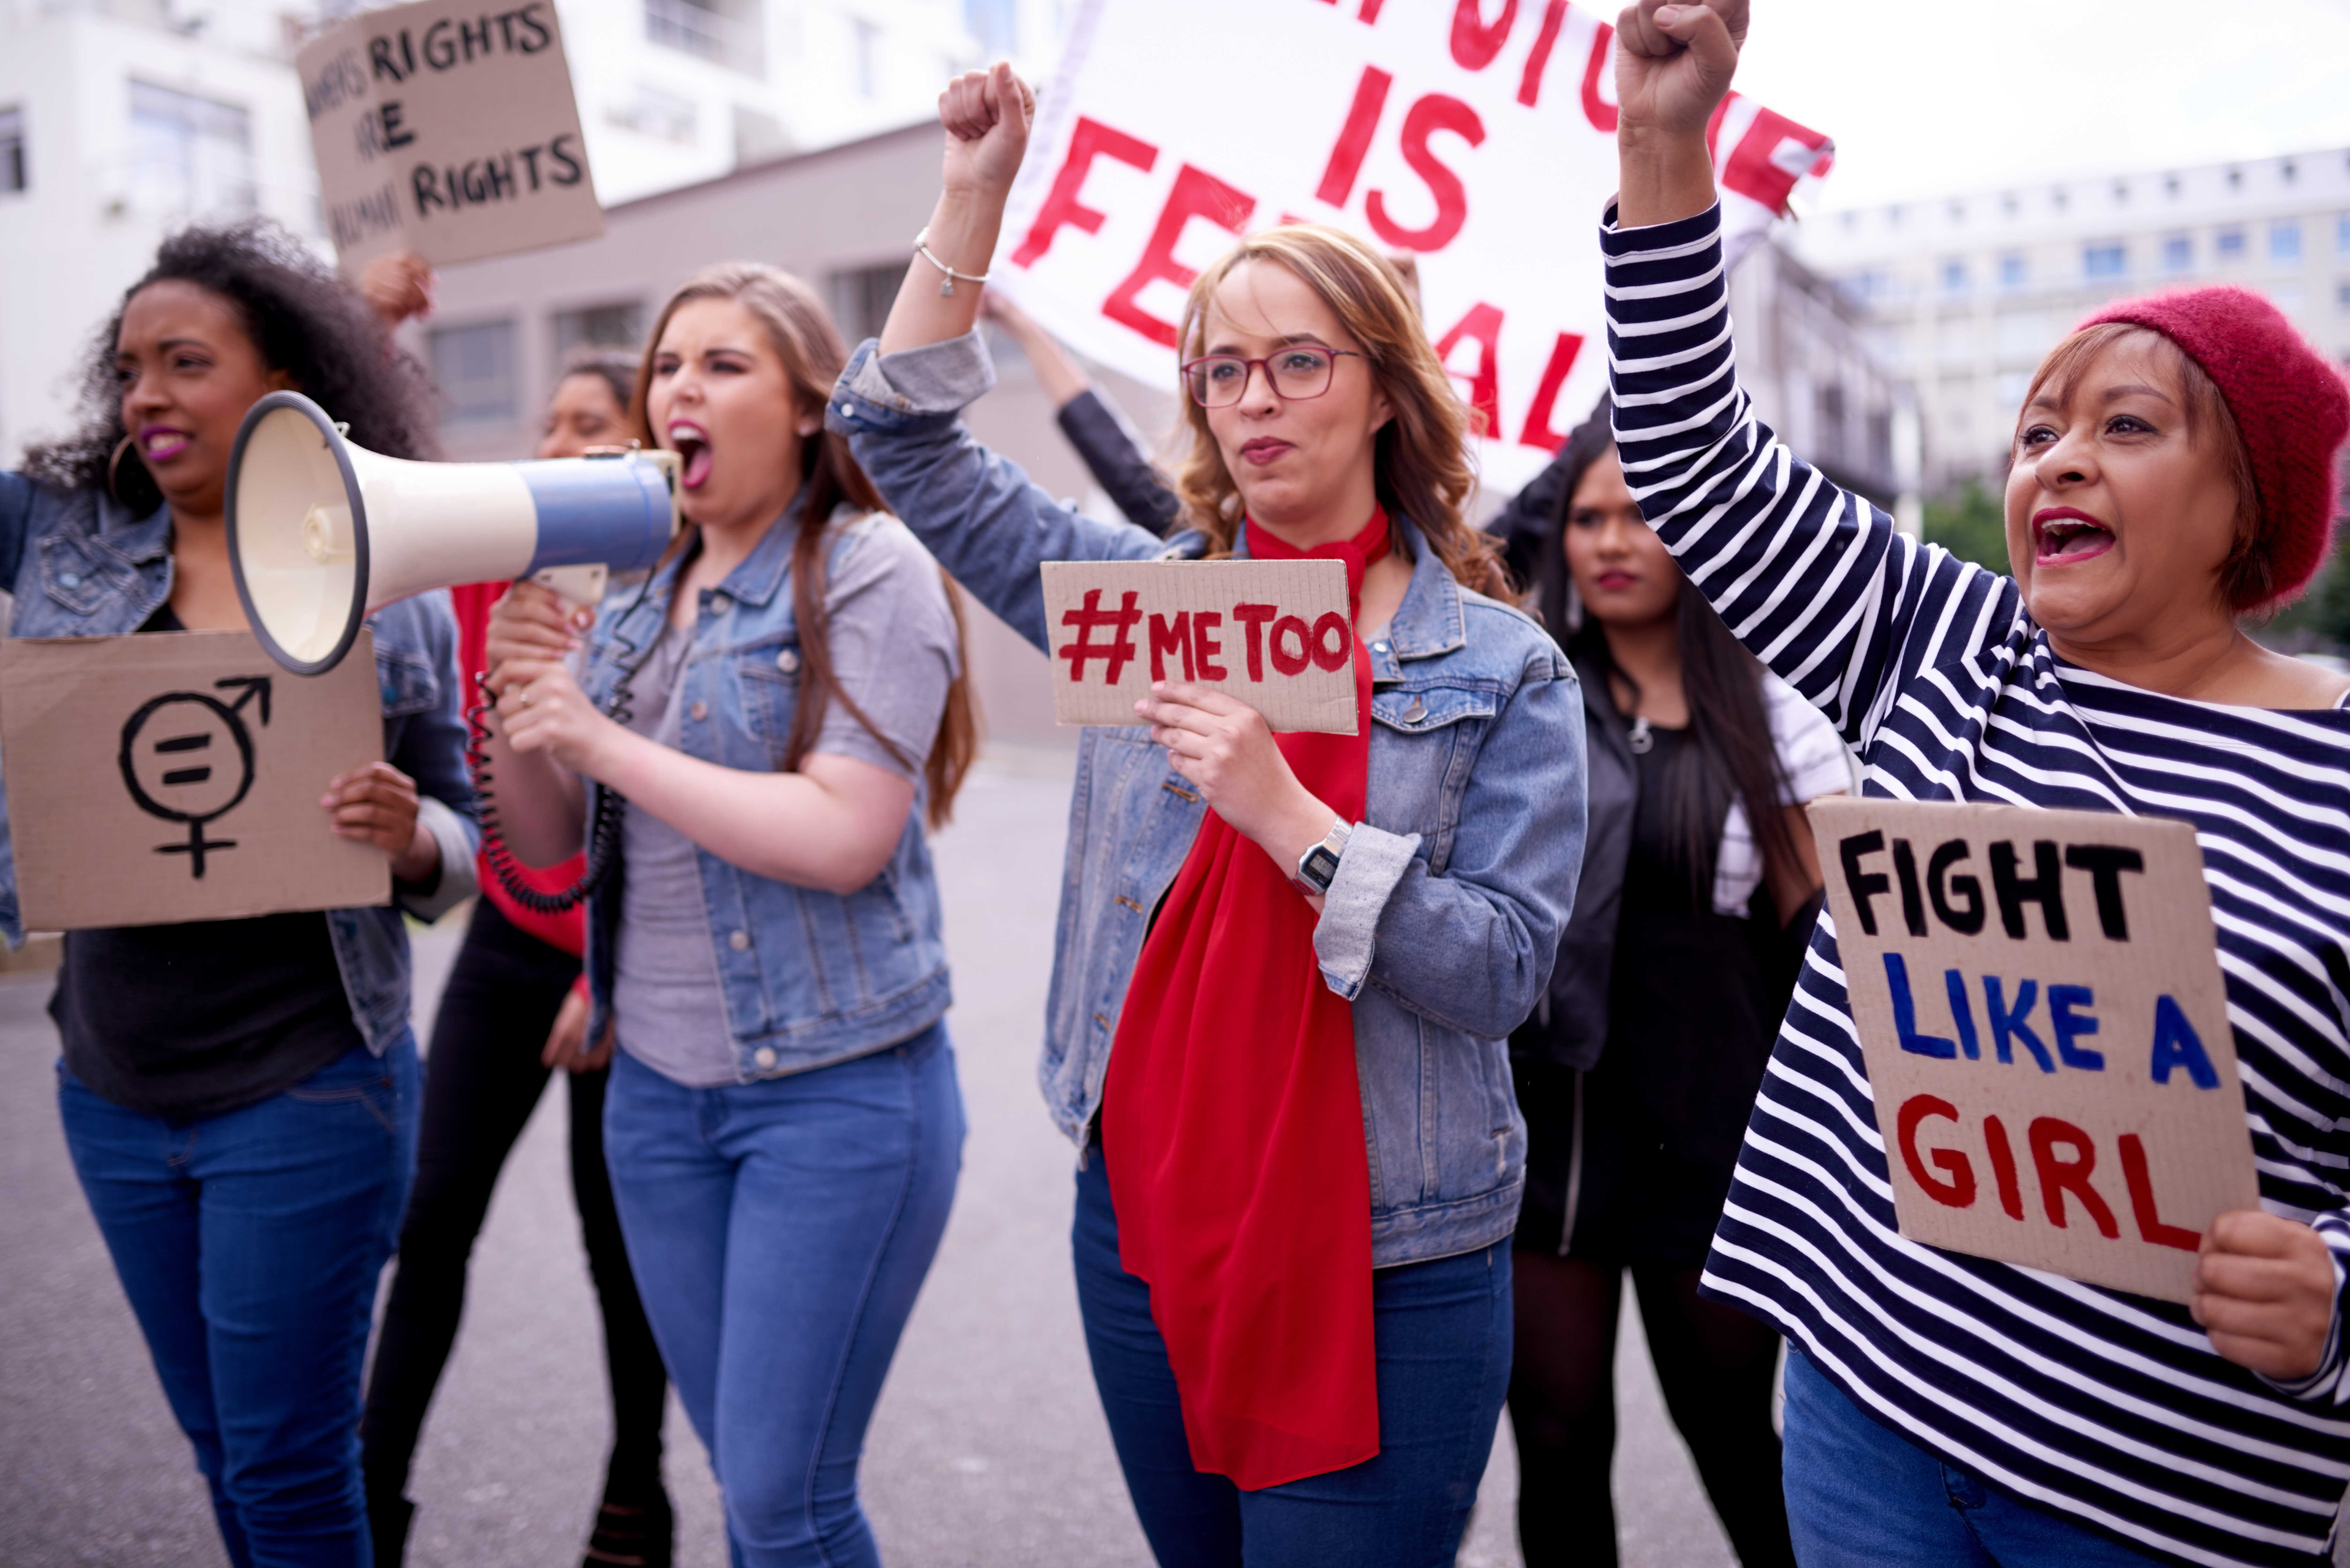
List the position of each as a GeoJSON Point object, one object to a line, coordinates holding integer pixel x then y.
{"type": "Point", "coordinates": [2173, 470]}
{"type": "Point", "coordinates": [780, 708]}
{"type": "Point", "coordinates": [1288, 966]}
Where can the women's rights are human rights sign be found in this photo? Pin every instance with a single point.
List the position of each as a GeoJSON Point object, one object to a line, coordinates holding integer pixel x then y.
{"type": "Point", "coordinates": [447, 128]}
{"type": "Point", "coordinates": [2040, 1003]}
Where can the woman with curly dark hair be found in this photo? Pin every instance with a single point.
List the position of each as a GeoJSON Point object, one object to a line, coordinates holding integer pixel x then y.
{"type": "Point", "coordinates": [240, 1096]}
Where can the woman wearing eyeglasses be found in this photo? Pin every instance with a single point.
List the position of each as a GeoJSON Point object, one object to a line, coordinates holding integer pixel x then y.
{"type": "Point", "coordinates": [1288, 966]}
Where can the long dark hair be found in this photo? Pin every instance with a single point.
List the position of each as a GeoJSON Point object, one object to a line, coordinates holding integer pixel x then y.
{"type": "Point", "coordinates": [302, 321]}
{"type": "Point", "coordinates": [1731, 751]}
{"type": "Point", "coordinates": [813, 357]}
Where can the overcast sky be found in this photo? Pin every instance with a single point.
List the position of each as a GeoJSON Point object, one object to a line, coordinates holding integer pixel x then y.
{"type": "Point", "coordinates": [1928, 97]}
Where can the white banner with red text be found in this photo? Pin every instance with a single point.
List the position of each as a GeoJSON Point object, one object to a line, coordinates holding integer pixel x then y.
{"type": "Point", "coordinates": [1478, 137]}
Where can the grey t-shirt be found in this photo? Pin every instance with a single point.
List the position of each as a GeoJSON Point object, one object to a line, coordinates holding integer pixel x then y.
{"type": "Point", "coordinates": [895, 652]}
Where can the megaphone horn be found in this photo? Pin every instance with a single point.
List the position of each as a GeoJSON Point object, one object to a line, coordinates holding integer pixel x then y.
{"type": "Point", "coordinates": [322, 533]}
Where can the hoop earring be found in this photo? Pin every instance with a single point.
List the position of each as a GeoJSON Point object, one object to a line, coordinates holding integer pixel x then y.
{"type": "Point", "coordinates": [114, 468]}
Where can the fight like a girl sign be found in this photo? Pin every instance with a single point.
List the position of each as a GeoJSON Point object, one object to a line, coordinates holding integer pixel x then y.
{"type": "Point", "coordinates": [1476, 136]}
{"type": "Point", "coordinates": [2046, 1030]}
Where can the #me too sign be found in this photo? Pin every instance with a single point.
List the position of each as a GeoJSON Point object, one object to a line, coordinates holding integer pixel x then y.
{"type": "Point", "coordinates": [1478, 135]}
{"type": "Point", "coordinates": [447, 128]}
{"type": "Point", "coordinates": [1275, 634]}
{"type": "Point", "coordinates": [2046, 1031]}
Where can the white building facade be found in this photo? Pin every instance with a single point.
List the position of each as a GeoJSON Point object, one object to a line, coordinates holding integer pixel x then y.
{"type": "Point", "coordinates": [1967, 293]}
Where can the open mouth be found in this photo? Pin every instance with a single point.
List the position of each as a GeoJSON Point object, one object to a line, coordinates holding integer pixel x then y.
{"type": "Point", "coordinates": [692, 444]}
{"type": "Point", "coordinates": [2063, 535]}
{"type": "Point", "coordinates": [160, 443]}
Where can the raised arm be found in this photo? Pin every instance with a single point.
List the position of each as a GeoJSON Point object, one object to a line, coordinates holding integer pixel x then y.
{"type": "Point", "coordinates": [1812, 579]}
{"type": "Point", "coordinates": [900, 401]}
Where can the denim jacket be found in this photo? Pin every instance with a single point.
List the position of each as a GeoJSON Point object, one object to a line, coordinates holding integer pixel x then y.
{"type": "Point", "coordinates": [1443, 920]}
{"type": "Point", "coordinates": [808, 977]}
{"type": "Point", "coordinates": [81, 565]}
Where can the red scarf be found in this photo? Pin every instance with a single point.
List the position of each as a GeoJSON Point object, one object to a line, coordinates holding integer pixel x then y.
{"type": "Point", "coordinates": [1233, 1128]}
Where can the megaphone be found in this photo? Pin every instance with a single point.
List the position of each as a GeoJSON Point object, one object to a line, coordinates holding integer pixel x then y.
{"type": "Point", "coordinates": [322, 533]}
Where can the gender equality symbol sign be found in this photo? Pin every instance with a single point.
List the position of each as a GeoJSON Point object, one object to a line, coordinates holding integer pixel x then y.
{"type": "Point", "coordinates": [447, 128]}
{"type": "Point", "coordinates": [2040, 1004]}
{"type": "Point", "coordinates": [1275, 634]}
{"type": "Point", "coordinates": [173, 777]}
{"type": "Point", "coordinates": [1477, 136]}
{"type": "Point", "coordinates": [182, 777]}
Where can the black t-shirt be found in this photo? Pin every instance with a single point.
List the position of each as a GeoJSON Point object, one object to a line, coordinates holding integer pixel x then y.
{"type": "Point", "coordinates": [1642, 1148]}
{"type": "Point", "coordinates": [192, 1019]}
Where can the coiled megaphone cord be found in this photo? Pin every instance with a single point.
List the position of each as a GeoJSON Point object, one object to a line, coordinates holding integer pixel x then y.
{"type": "Point", "coordinates": [603, 831]}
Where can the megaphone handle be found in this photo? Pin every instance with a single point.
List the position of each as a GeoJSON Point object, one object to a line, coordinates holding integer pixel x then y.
{"type": "Point", "coordinates": [583, 586]}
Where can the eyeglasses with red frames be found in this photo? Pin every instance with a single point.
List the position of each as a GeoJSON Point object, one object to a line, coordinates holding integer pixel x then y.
{"type": "Point", "coordinates": [1299, 371]}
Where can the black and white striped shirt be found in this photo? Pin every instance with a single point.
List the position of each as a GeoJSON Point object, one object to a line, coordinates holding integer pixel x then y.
{"type": "Point", "coordinates": [2111, 1410]}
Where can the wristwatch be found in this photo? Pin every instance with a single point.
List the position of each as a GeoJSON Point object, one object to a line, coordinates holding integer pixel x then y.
{"type": "Point", "coordinates": [1318, 866]}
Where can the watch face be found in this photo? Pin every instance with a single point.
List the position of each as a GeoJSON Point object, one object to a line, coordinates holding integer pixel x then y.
{"type": "Point", "coordinates": [1319, 867]}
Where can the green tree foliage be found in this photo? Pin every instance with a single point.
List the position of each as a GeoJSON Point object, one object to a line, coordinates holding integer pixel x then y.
{"type": "Point", "coordinates": [1969, 524]}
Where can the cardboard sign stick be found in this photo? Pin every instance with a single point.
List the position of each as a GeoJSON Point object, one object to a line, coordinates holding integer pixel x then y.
{"type": "Point", "coordinates": [2040, 1003]}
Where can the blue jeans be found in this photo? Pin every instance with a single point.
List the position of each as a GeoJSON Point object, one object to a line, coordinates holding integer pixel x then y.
{"type": "Point", "coordinates": [779, 1232]}
{"type": "Point", "coordinates": [1442, 1333]}
{"type": "Point", "coordinates": [1860, 1495]}
{"type": "Point", "coordinates": [250, 1243]}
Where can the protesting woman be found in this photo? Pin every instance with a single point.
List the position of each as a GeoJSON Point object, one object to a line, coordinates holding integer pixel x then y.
{"type": "Point", "coordinates": [1700, 885]}
{"type": "Point", "coordinates": [2173, 471]}
{"type": "Point", "coordinates": [780, 707]}
{"type": "Point", "coordinates": [240, 1096]}
{"type": "Point", "coordinates": [515, 1009]}
{"type": "Point", "coordinates": [1298, 945]}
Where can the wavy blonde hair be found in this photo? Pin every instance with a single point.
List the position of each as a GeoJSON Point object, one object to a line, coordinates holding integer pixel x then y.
{"type": "Point", "coordinates": [1420, 463]}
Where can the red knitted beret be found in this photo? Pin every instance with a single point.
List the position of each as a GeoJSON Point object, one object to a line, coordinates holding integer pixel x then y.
{"type": "Point", "coordinates": [2290, 404]}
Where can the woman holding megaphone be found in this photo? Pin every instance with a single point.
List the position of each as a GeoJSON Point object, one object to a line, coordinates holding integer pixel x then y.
{"type": "Point", "coordinates": [240, 1096]}
{"type": "Point", "coordinates": [2173, 471]}
{"type": "Point", "coordinates": [1288, 966]}
{"type": "Point", "coordinates": [781, 707]}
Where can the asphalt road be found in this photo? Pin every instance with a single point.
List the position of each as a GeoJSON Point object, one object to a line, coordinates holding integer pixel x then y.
{"type": "Point", "coordinates": [988, 1452]}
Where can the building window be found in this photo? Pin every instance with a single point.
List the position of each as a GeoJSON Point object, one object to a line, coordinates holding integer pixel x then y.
{"type": "Point", "coordinates": [2104, 261]}
{"type": "Point", "coordinates": [861, 297]}
{"type": "Point", "coordinates": [994, 25]}
{"type": "Point", "coordinates": [723, 32]}
{"type": "Point", "coordinates": [2341, 295]}
{"type": "Point", "coordinates": [12, 153]}
{"type": "Point", "coordinates": [868, 52]}
{"type": "Point", "coordinates": [2285, 244]}
{"type": "Point", "coordinates": [2010, 272]}
{"type": "Point", "coordinates": [2178, 254]}
{"type": "Point", "coordinates": [2230, 243]}
{"type": "Point", "coordinates": [621, 326]}
{"type": "Point", "coordinates": [2342, 235]}
{"type": "Point", "coordinates": [189, 155]}
{"type": "Point", "coordinates": [652, 112]}
{"type": "Point", "coordinates": [1954, 277]}
{"type": "Point", "coordinates": [473, 366]}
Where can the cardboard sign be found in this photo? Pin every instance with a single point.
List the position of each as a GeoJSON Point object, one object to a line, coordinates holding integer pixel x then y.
{"type": "Point", "coordinates": [2039, 1000]}
{"type": "Point", "coordinates": [1275, 634]}
{"type": "Point", "coordinates": [448, 130]}
{"type": "Point", "coordinates": [176, 776]}
{"type": "Point", "coordinates": [1476, 136]}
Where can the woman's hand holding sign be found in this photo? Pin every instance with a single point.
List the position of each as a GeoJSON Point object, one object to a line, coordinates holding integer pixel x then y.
{"type": "Point", "coordinates": [2265, 1291]}
{"type": "Point", "coordinates": [377, 804]}
{"type": "Point", "coordinates": [1225, 750]}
